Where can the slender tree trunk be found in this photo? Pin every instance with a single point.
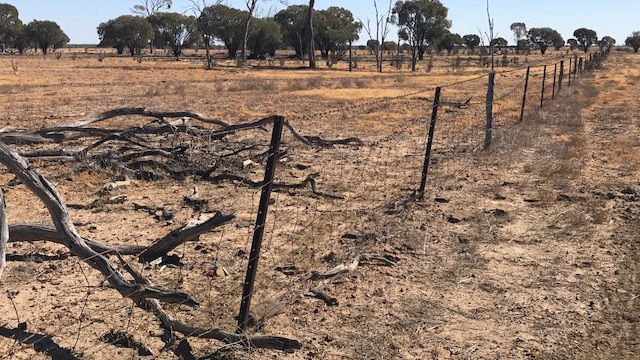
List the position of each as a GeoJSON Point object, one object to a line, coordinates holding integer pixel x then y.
{"type": "Point", "coordinates": [251, 6]}
{"type": "Point", "coordinates": [207, 52]}
{"type": "Point", "coordinates": [350, 55]}
{"type": "Point", "coordinates": [311, 46]}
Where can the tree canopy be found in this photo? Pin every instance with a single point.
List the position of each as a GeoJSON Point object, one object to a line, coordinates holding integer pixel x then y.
{"type": "Point", "coordinates": [10, 24]}
{"type": "Point", "coordinates": [633, 40]}
{"type": "Point", "coordinates": [225, 24]}
{"type": "Point", "coordinates": [449, 42]}
{"type": "Point", "coordinates": [545, 37]}
{"type": "Point", "coordinates": [292, 21]}
{"type": "Point", "coordinates": [586, 38]}
{"type": "Point", "coordinates": [499, 43]}
{"type": "Point", "coordinates": [421, 23]}
{"type": "Point", "coordinates": [133, 32]}
{"type": "Point", "coordinates": [519, 30]}
{"type": "Point", "coordinates": [471, 41]}
{"type": "Point", "coordinates": [175, 30]}
{"type": "Point", "coordinates": [606, 43]}
{"type": "Point", "coordinates": [264, 38]}
{"type": "Point", "coordinates": [46, 34]}
{"type": "Point", "coordinates": [334, 29]}
{"type": "Point", "coordinates": [149, 7]}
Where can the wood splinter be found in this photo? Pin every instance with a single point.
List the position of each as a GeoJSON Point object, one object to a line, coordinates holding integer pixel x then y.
{"type": "Point", "coordinates": [328, 300]}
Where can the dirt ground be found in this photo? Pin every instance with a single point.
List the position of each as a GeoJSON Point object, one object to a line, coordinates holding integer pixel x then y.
{"type": "Point", "coordinates": [527, 250]}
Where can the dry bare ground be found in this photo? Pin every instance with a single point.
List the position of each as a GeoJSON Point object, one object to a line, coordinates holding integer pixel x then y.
{"type": "Point", "coordinates": [526, 251]}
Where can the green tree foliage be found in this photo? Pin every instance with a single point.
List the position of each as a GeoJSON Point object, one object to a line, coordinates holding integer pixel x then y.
{"type": "Point", "coordinates": [390, 47]}
{"type": "Point", "coordinates": [573, 43]}
{"type": "Point", "coordinates": [471, 41]}
{"type": "Point", "coordinates": [292, 22]}
{"type": "Point", "coordinates": [110, 35]}
{"type": "Point", "coordinates": [175, 30]}
{"type": "Point", "coordinates": [10, 24]}
{"type": "Point", "coordinates": [586, 38]}
{"type": "Point", "coordinates": [132, 32]}
{"type": "Point", "coordinates": [499, 43]}
{"type": "Point", "coordinates": [372, 45]}
{"type": "Point", "coordinates": [449, 42]}
{"type": "Point", "coordinates": [46, 34]}
{"type": "Point", "coordinates": [421, 23]}
{"type": "Point", "coordinates": [606, 43]}
{"type": "Point", "coordinates": [545, 37]}
{"type": "Point", "coordinates": [633, 40]}
{"type": "Point", "coordinates": [264, 38]}
{"type": "Point", "coordinates": [334, 29]}
{"type": "Point", "coordinates": [519, 30]}
{"type": "Point", "coordinates": [21, 42]}
{"type": "Point", "coordinates": [225, 24]}
{"type": "Point", "coordinates": [523, 45]}
{"type": "Point", "coordinates": [147, 8]}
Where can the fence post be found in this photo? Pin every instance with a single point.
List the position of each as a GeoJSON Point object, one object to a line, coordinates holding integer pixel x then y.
{"type": "Point", "coordinates": [560, 75]}
{"type": "Point", "coordinates": [569, 78]}
{"type": "Point", "coordinates": [489, 110]}
{"type": "Point", "coordinates": [524, 96]}
{"type": "Point", "coordinates": [580, 67]}
{"type": "Point", "coordinates": [258, 230]}
{"type": "Point", "coordinates": [544, 79]}
{"type": "Point", "coordinates": [432, 129]}
{"type": "Point", "coordinates": [555, 76]}
{"type": "Point", "coordinates": [575, 67]}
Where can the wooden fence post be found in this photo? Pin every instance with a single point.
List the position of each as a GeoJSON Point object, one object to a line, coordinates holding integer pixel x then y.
{"type": "Point", "coordinates": [258, 231]}
{"type": "Point", "coordinates": [432, 129]}
{"type": "Point", "coordinates": [569, 78]}
{"type": "Point", "coordinates": [524, 96]}
{"type": "Point", "coordinates": [560, 75]}
{"type": "Point", "coordinates": [580, 64]}
{"type": "Point", "coordinates": [544, 79]}
{"type": "Point", "coordinates": [555, 76]}
{"type": "Point", "coordinates": [489, 110]}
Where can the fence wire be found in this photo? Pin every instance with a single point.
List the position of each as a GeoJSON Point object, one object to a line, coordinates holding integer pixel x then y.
{"type": "Point", "coordinates": [307, 232]}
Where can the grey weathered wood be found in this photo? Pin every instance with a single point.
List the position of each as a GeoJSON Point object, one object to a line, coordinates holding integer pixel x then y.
{"type": "Point", "coordinates": [488, 131]}
{"type": "Point", "coordinates": [31, 232]}
{"type": "Point", "coordinates": [247, 341]}
{"type": "Point", "coordinates": [4, 233]}
{"type": "Point", "coordinates": [54, 202]}
{"type": "Point", "coordinates": [190, 231]}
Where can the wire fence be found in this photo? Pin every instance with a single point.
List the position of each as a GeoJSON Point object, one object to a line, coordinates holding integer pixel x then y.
{"type": "Point", "coordinates": [351, 209]}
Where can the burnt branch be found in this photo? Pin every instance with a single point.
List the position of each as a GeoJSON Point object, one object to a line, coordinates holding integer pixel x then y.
{"type": "Point", "coordinates": [47, 193]}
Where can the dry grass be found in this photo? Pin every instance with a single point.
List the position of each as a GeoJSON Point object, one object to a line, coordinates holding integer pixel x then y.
{"type": "Point", "coordinates": [533, 269]}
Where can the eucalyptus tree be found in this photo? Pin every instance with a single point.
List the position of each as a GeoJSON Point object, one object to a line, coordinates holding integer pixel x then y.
{"type": "Point", "coordinates": [335, 28]}
{"type": "Point", "coordinates": [132, 32]}
{"type": "Point", "coordinates": [421, 23]}
{"type": "Point", "coordinates": [225, 24]}
{"type": "Point", "coordinates": [545, 37]}
{"type": "Point", "coordinates": [633, 41]}
{"type": "Point", "coordinates": [292, 22]}
{"type": "Point", "coordinates": [384, 19]}
{"type": "Point", "coordinates": [174, 30]}
{"type": "Point", "coordinates": [10, 24]}
{"type": "Point", "coordinates": [147, 8]}
{"type": "Point", "coordinates": [46, 34]}
{"type": "Point", "coordinates": [586, 38]}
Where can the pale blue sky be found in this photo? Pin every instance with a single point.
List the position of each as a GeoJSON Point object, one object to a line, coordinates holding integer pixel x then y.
{"type": "Point", "coordinates": [616, 18]}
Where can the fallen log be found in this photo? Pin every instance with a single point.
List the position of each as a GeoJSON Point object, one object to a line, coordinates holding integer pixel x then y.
{"type": "Point", "coordinates": [54, 202]}
{"type": "Point", "coordinates": [189, 232]}
{"type": "Point", "coordinates": [30, 232]}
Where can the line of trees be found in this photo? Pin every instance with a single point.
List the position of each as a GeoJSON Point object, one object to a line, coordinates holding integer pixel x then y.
{"type": "Point", "coordinates": [40, 34]}
{"type": "Point", "coordinates": [422, 25]}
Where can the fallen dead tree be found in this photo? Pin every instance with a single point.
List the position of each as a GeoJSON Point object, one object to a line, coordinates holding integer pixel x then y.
{"type": "Point", "coordinates": [145, 295]}
{"type": "Point", "coordinates": [173, 144]}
